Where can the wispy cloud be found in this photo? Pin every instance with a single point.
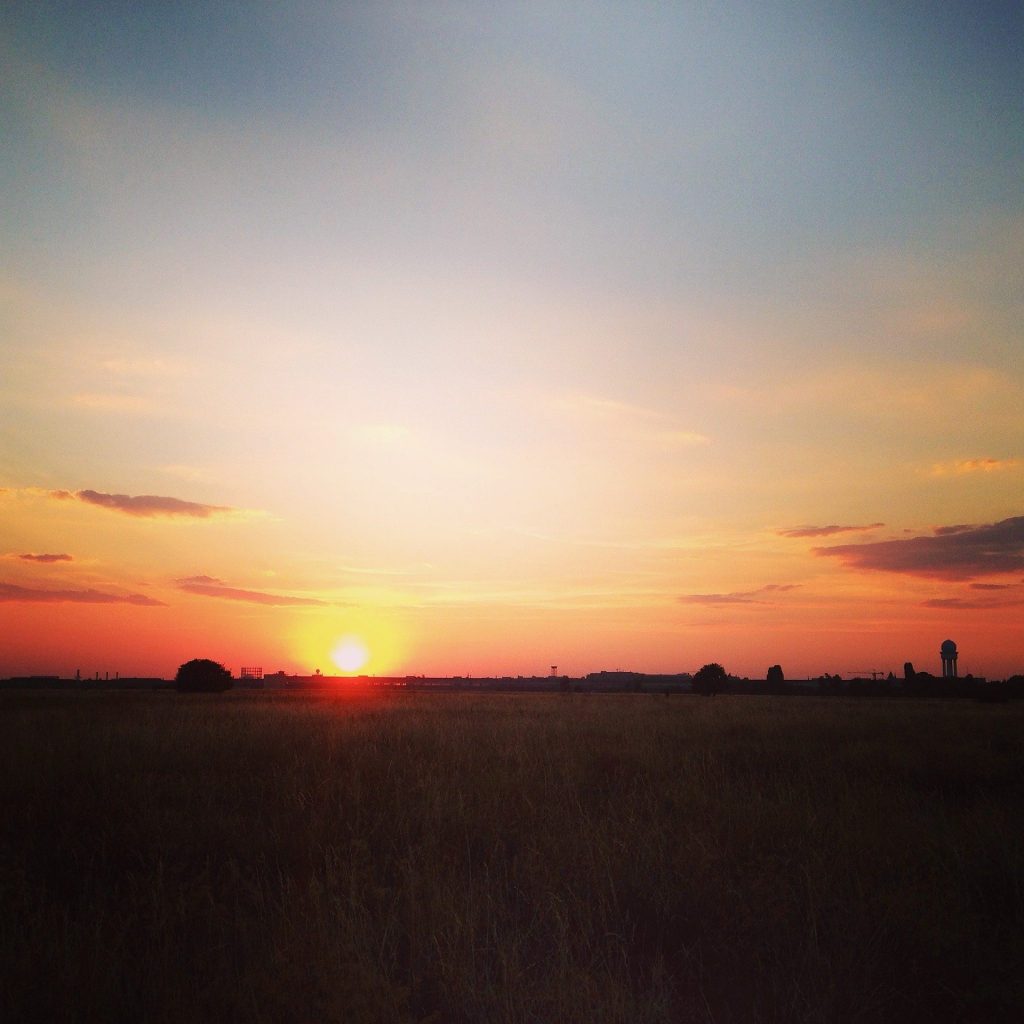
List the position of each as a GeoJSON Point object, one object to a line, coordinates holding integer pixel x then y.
{"type": "Point", "coordinates": [760, 596]}
{"type": "Point", "coordinates": [142, 366]}
{"type": "Point", "coordinates": [112, 403]}
{"type": "Point", "coordinates": [961, 467]}
{"type": "Point", "coordinates": [186, 472]}
{"type": "Point", "coordinates": [982, 596]}
{"type": "Point", "coordinates": [210, 586]}
{"type": "Point", "coordinates": [146, 506]}
{"type": "Point", "coordinates": [632, 422]}
{"type": "Point", "coordinates": [364, 570]}
{"type": "Point", "coordinates": [826, 531]}
{"type": "Point", "coordinates": [10, 592]}
{"type": "Point", "coordinates": [46, 558]}
{"type": "Point", "coordinates": [973, 603]}
{"type": "Point", "coordinates": [953, 552]}
{"type": "Point", "coordinates": [884, 391]}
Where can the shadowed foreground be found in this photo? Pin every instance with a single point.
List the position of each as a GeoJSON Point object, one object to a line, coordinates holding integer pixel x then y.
{"type": "Point", "coordinates": [393, 857]}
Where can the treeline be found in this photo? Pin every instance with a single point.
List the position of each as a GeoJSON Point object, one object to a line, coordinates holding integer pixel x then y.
{"type": "Point", "coordinates": [913, 684]}
{"type": "Point", "coordinates": [707, 681]}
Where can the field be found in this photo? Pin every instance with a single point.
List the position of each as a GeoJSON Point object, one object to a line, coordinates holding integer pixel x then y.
{"type": "Point", "coordinates": [449, 857]}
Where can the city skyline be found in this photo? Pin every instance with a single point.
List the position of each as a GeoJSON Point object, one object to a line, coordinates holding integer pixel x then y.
{"type": "Point", "coordinates": [481, 339]}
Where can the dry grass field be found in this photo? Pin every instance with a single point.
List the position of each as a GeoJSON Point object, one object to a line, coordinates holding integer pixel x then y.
{"type": "Point", "coordinates": [450, 857]}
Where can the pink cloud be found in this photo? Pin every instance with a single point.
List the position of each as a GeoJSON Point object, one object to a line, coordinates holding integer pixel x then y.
{"type": "Point", "coordinates": [10, 592]}
{"type": "Point", "coordinates": [210, 586]}
{"type": "Point", "coordinates": [826, 531]}
{"type": "Point", "coordinates": [149, 505]}
{"type": "Point", "coordinates": [46, 558]}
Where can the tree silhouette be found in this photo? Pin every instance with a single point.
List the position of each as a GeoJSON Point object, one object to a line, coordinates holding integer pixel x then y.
{"type": "Point", "coordinates": [200, 675]}
{"type": "Point", "coordinates": [709, 679]}
{"type": "Point", "coordinates": [776, 680]}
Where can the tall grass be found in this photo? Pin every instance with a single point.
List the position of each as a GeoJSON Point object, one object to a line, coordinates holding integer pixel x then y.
{"type": "Point", "coordinates": [393, 857]}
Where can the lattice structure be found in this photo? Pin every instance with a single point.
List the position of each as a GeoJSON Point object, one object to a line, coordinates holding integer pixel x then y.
{"type": "Point", "coordinates": [251, 672]}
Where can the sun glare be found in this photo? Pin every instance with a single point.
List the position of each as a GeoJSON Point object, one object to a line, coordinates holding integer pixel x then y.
{"type": "Point", "coordinates": [350, 654]}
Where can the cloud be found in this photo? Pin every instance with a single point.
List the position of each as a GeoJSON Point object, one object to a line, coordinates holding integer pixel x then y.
{"type": "Point", "coordinates": [886, 391]}
{"type": "Point", "coordinates": [958, 467]}
{"type": "Point", "coordinates": [46, 558]}
{"type": "Point", "coordinates": [147, 506]}
{"type": "Point", "coordinates": [112, 403]}
{"type": "Point", "coordinates": [826, 531]}
{"type": "Point", "coordinates": [741, 596]}
{"type": "Point", "coordinates": [11, 592]}
{"type": "Point", "coordinates": [186, 472]}
{"type": "Point", "coordinates": [985, 595]}
{"type": "Point", "coordinates": [631, 422]}
{"type": "Point", "coordinates": [951, 553]}
{"type": "Point", "coordinates": [210, 586]}
{"type": "Point", "coordinates": [972, 604]}
{"type": "Point", "coordinates": [142, 367]}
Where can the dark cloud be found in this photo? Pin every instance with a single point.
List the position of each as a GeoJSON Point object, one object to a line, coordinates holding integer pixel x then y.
{"type": "Point", "coordinates": [826, 531]}
{"type": "Point", "coordinates": [46, 558]}
{"type": "Point", "coordinates": [11, 592]}
{"type": "Point", "coordinates": [951, 553]}
{"type": "Point", "coordinates": [739, 597]}
{"type": "Point", "coordinates": [983, 595]}
{"type": "Point", "coordinates": [210, 586]}
{"type": "Point", "coordinates": [149, 505]}
{"type": "Point", "coordinates": [971, 603]}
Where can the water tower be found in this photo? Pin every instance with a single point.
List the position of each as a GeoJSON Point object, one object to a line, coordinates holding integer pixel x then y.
{"type": "Point", "coordinates": [948, 654]}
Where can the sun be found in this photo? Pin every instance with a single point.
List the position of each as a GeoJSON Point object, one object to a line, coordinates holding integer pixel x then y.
{"type": "Point", "coordinates": [350, 654]}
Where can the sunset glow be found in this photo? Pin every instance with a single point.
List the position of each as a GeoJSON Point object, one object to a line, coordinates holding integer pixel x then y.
{"type": "Point", "coordinates": [350, 654]}
{"type": "Point", "coordinates": [473, 339]}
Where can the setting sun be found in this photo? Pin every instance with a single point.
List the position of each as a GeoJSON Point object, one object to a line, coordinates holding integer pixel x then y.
{"type": "Point", "coordinates": [350, 654]}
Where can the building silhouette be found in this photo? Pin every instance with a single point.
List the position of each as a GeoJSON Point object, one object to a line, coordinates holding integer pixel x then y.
{"type": "Point", "coordinates": [948, 654]}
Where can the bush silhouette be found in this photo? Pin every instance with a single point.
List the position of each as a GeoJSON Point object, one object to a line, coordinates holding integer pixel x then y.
{"type": "Point", "coordinates": [200, 675]}
{"type": "Point", "coordinates": [709, 679]}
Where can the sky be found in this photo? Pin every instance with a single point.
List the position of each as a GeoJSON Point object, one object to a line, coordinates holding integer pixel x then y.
{"type": "Point", "coordinates": [476, 338]}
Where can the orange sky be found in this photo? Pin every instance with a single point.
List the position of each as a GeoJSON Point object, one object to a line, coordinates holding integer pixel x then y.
{"type": "Point", "coordinates": [492, 340]}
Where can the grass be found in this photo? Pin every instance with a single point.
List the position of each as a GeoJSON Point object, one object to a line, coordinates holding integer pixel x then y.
{"type": "Point", "coordinates": [452, 857]}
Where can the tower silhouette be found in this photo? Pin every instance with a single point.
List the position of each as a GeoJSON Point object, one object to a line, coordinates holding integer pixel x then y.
{"type": "Point", "coordinates": [948, 654]}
